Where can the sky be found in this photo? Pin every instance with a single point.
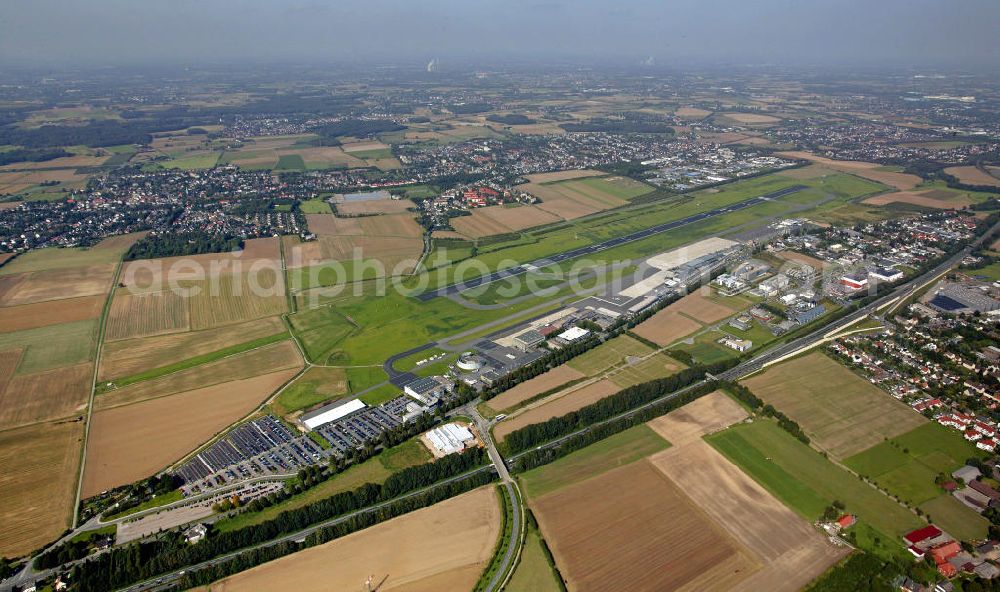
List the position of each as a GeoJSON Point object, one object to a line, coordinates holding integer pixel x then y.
{"type": "Point", "coordinates": [673, 32]}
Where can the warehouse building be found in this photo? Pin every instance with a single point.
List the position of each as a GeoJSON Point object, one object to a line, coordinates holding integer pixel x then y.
{"type": "Point", "coordinates": [449, 439]}
{"type": "Point", "coordinates": [331, 412]}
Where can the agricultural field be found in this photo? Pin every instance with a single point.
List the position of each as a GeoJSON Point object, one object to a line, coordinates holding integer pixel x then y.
{"type": "Point", "coordinates": [651, 549]}
{"type": "Point", "coordinates": [682, 318]}
{"type": "Point", "coordinates": [651, 368]}
{"type": "Point", "coordinates": [529, 389]}
{"type": "Point", "coordinates": [561, 403]}
{"type": "Point", "coordinates": [842, 412]}
{"type": "Point", "coordinates": [610, 353]}
{"type": "Point", "coordinates": [939, 199]}
{"type": "Point", "coordinates": [533, 572]}
{"type": "Point", "coordinates": [907, 466]}
{"type": "Point", "coordinates": [52, 284]}
{"type": "Point", "coordinates": [464, 530]}
{"type": "Point", "coordinates": [282, 355]}
{"type": "Point", "coordinates": [127, 357]}
{"type": "Point", "coordinates": [52, 312]}
{"type": "Point", "coordinates": [315, 206]}
{"type": "Point", "coordinates": [44, 396]}
{"type": "Point", "coordinates": [133, 441]}
{"type": "Point", "coordinates": [971, 175]}
{"type": "Point", "coordinates": [806, 481]}
{"type": "Point", "coordinates": [38, 486]}
{"type": "Point", "coordinates": [867, 170]}
{"type": "Point", "coordinates": [502, 219]}
{"type": "Point", "coordinates": [375, 206]}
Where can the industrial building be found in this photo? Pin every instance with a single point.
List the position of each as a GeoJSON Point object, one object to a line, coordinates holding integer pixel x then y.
{"type": "Point", "coordinates": [331, 412]}
{"type": "Point", "coordinates": [956, 299]}
{"type": "Point", "coordinates": [426, 390]}
{"type": "Point", "coordinates": [450, 438]}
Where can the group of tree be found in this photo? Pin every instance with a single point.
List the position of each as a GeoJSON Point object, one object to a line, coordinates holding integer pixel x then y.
{"type": "Point", "coordinates": [252, 558]}
{"type": "Point", "coordinates": [357, 128]}
{"type": "Point", "coordinates": [624, 400]}
{"type": "Point", "coordinates": [469, 108]}
{"type": "Point", "coordinates": [31, 155]}
{"type": "Point", "coordinates": [123, 566]}
{"type": "Point", "coordinates": [746, 396]}
{"type": "Point", "coordinates": [182, 244]}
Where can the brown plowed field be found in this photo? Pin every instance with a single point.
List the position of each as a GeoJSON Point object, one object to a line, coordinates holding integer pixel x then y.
{"type": "Point", "coordinates": [442, 547]}
{"type": "Point", "coordinates": [271, 358]}
{"type": "Point", "coordinates": [388, 250]}
{"type": "Point", "coordinates": [249, 296]}
{"type": "Point", "coordinates": [131, 356]}
{"type": "Point", "coordinates": [973, 176]}
{"type": "Point", "coordinates": [751, 117]}
{"type": "Point", "coordinates": [134, 441]}
{"type": "Point", "coordinates": [700, 308]}
{"type": "Point", "coordinates": [790, 551]}
{"type": "Point", "coordinates": [665, 327]}
{"type": "Point", "coordinates": [632, 529]}
{"type": "Point", "coordinates": [801, 258]}
{"type": "Point", "coordinates": [156, 274]}
{"type": "Point", "coordinates": [43, 314]}
{"type": "Point", "coordinates": [530, 388]}
{"type": "Point", "coordinates": [41, 396]}
{"type": "Point", "coordinates": [571, 399]}
{"type": "Point", "coordinates": [38, 484]}
{"type": "Point", "coordinates": [55, 284]}
{"type": "Point", "coordinates": [842, 412]}
{"type": "Point", "coordinates": [499, 220]}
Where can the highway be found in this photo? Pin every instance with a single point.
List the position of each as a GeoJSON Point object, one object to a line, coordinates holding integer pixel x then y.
{"type": "Point", "coordinates": [605, 245]}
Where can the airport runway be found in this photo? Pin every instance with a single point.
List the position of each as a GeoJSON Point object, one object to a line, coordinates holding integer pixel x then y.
{"type": "Point", "coordinates": [603, 246]}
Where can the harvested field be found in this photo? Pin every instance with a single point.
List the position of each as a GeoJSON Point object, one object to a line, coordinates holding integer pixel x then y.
{"type": "Point", "coordinates": [491, 220]}
{"type": "Point", "coordinates": [790, 551]}
{"type": "Point", "coordinates": [55, 284]}
{"type": "Point", "coordinates": [934, 198]}
{"type": "Point", "coordinates": [970, 175]}
{"type": "Point", "coordinates": [801, 258]}
{"type": "Point", "coordinates": [665, 327]}
{"type": "Point", "coordinates": [327, 157]}
{"type": "Point", "coordinates": [43, 314]}
{"type": "Point", "coordinates": [448, 234]}
{"type": "Point", "coordinates": [55, 258]}
{"type": "Point", "coordinates": [628, 541]}
{"type": "Point", "coordinates": [364, 146]}
{"type": "Point", "coordinates": [248, 296]}
{"type": "Point", "coordinates": [653, 367]}
{"type": "Point", "coordinates": [692, 112]}
{"type": "Point", "coordinates": [376, 206]}
{"type": "Point", "coordinates": [701, 309]}
{"type": "Point", "coordinates": [464, 530]}
{"type": "Point", "coordinates": [38, 485]}
{"type": "Point", "coordinates": [131, 356]}
{"type": "Point", "coordinates": [842, 412]}
{"type": "Point", "coordinates": [43, 396]}
{"type": "Point", "coordinates": [610, 353]}
{"type": "Point", "coordinates": [867, 170]}
{"type": "Point", "coordinates": [530, 388]}
{"type": "Point", "coordinates": [265, 360]}
{"type": "Point", "coordinates": [563, 175]}
{"type": "Point", "coordinates": [398, 225]}
{"type": "Point", "coordinates": [751, 117]}
{"type": "Point", "coordinates": [561, 403]}
{"type": "Point", "coordinates": [134, 441]}
{"type": "Point", "coordinates": [144, 315]}
{"type": "Point", "coordinates": [8, 363]}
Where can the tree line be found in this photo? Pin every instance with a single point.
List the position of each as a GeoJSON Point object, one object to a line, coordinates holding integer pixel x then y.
{"type": "Point", "coordinates": [32, 155]}
{"type": "Point", "coordinates": [182, 244]}
{"type": "Point", "coordinates": [355, 523]}
{"type": "Point", "coordinates": [754, 402]}
{"type": "Point", "coordinates": [616, 404]}
{"type": "Point", "coordinates": [123, 566]}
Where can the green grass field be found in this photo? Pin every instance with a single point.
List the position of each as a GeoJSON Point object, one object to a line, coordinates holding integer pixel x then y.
{"type": "Point", "coordinates": [192, 162]}
{"type": "Point", "coordinates": [657, 366]}
{"type": "Point", "coordinates": [533, 572]}
{"type": "Point", "coordinates": [57, 258]}
{"type": "Point", "coordinates": [315, 206]}
{"type": "Point", "coordinates": [806, 481]}
{"type": "Point", "coordinates": [358, 379]}
{"type": "Point", "coordinates": [316, 385]}
{"type": "Point", "coordinates": [380, 395]}
{"type": "Point", "coordinates": [620, 187]}
{"type": "Point", "coordinates": [290, 162]}
{"type": "Point", "coordinates": [54, 346]}
{"type": "Point", "coordinates": [620, 449]}
{"type": "Point", "coordinates": [955, 518]}
{"type": "Point", "coordinates": [372, 154]}
{"type": "Point", "coordinates": [990, 272]}
{"type": "Point", "coordinates": [408, 454]}
{"type": "Point", "coordinates": [160, 500]}
{"type": "Point", "coordinates": [908, 464]}
{"type": "Point", "coordinates": [608, 354]}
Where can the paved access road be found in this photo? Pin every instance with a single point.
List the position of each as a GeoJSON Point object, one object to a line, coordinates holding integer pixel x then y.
{"type": "Point", "coordinates": [608, 244]}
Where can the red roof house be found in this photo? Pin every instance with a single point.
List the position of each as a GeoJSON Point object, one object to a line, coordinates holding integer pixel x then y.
{"type": "Point", "coordinates": [921, 534]}
{"type": "Point", "coordinates": [943, 553]}
{"type": "Point", "coordinates": [845, 521]}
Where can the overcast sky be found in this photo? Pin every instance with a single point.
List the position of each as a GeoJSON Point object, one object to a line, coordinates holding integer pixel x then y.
{"type": "Point", "coordinates": [674, 32]}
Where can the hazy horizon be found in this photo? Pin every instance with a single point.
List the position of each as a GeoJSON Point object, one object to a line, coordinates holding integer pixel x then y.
{"type": "Point", "coordinates": [117, 32]}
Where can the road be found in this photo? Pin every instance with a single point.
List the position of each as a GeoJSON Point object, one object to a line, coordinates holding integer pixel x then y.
{"type": "Point", "coordinates": [603, 246]}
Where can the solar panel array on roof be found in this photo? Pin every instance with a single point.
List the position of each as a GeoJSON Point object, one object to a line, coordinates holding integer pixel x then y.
{"type": "Point", "coordinates": [946, 304]}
